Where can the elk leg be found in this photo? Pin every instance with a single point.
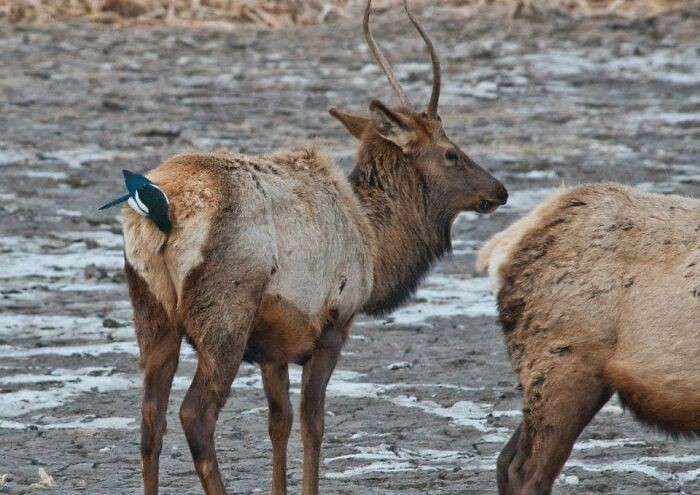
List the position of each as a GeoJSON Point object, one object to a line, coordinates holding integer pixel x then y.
{"type": "Point", "coordinates": [219, 333]}
{"type": "Point", "coordinates": [199, 413]}
{"type": "Point", "coordinates": [505, 458]}
{"type": "Point", "coordinates": [315, 375]}
{"type": "Point", "coordinates": [557, 407]}
{"type": "Point", "coordinates": [159, 370]}
{"type": "Point", "coordinates": [276, 385]}
{"type": "Point", "coordinates": [159, 347]}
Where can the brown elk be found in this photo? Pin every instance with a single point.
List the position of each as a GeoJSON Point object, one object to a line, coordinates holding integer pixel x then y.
{"type": "Point", "coordinates": [598, 292]}
{"type": "Point", "coordinates": [269, 258]}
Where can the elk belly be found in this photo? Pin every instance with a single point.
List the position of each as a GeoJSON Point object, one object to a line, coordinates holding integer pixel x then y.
{"type": "Point", "coordinates": [282, 333]}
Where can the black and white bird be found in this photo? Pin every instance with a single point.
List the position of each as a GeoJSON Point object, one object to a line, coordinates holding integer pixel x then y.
{"type": "Point", "coordinates": [146, 199]}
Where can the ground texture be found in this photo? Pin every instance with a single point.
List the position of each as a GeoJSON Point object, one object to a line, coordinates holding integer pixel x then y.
{"type": "Point", "coordinates": [422, 401]}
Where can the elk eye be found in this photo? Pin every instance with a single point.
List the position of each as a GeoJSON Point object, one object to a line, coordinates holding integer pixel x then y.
{"type": "Point", "coordinates": [451, 155]}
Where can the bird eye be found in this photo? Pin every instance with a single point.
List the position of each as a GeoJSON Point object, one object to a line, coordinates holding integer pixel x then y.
{"type": "Point", "coordinates": [451, 155]}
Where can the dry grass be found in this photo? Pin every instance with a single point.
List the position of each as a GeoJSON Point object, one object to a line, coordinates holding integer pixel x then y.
{"type": "Point", "coordinates": [275, 13]}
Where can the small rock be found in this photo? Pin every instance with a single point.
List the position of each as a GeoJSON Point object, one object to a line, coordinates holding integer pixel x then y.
{"type": "Point", "coordinates": [112, 323]}
{"type": "Point", "coordinates": [91, 244]}
{"type": "Point", "coordinates": [114, 106]}
{"type": "Point", "coordinates": [160, 132]}
{"type": "Point", "coordinates": [95, 272]}
{"type": "Point", "coordinates": [402, 365]}
{"type": "Point", "coordinates": [124, 8]}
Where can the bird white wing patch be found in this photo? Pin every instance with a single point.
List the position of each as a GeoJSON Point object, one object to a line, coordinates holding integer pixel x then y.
{"type": "Point", "coordinates": [137, 205]}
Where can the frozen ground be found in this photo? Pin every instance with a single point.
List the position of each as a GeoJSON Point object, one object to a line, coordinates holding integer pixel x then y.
{"type": "Point", "coordinates": [421, 401]}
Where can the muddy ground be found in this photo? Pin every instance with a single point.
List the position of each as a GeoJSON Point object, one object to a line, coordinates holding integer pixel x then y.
{"type": "Point", "coordinates": [421, 401]}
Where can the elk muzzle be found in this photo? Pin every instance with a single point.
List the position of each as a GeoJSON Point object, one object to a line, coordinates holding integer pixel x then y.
{"type": "Point", "coordinates": [490, 203]}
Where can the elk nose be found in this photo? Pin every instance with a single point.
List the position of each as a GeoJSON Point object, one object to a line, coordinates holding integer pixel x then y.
{"type": "Point", "coordinates": [501, 194]}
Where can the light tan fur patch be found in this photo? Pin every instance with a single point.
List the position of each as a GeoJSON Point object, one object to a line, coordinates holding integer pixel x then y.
{"type": "Point", "coordinates": [499, 250]}
{"type": "Point", "coordinates": [165, 260]}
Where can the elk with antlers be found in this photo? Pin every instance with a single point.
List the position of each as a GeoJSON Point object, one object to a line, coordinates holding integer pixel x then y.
{"type": "Point", "coordinates": [268, 259]}
{"type": "Point", "coordinates": [598, 292]}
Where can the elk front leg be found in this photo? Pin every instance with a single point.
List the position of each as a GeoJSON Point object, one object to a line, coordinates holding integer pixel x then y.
{"type": "Point", "coordinates": [276, 384]}
{"type": "Point", "coordinates": [317, 371]}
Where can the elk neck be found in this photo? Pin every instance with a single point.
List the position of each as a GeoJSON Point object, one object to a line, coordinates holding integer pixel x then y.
{"type": "Point", "coordinates": [411, 223]}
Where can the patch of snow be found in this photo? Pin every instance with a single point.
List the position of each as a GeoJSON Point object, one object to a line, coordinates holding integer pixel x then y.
{"type": "Point", "coordinates": [45, 174]}
{"type": "Point", "coordinates": [606, 444]}
{"type": "Point", "coordinates": [110, 423]}
{"type": "Point", "coordinates": [72, 383]}
{"type": "Point", "coordinates": [461, 413]}
{"type": "Point", "coordinates": [23, 264]}
{"type": "Point", "coordinates": [443, 296]}
{"type": "Point", "coordinates": [75, 157]}
{"type": "Point", "coordinates": [131, 348]}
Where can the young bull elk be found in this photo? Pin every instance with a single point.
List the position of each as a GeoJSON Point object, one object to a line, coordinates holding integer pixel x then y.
{"type": "Point", "coordinates": [598, 292]}
{"type": "Point", "coordinates": [268, 258]}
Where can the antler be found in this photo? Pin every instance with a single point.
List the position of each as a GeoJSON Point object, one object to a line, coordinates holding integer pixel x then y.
{"type": "Point", "coordinates": [382, 61]}
{"type": "Point", "coordinates": [435, 95]}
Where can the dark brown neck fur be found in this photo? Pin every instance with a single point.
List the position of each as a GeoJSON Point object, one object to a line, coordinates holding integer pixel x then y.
{"type": "Point", "coordinates": [412, 227]}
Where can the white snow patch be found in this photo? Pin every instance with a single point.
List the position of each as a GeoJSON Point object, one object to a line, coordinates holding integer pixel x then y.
{"type": "Point", "coordinates": [132, 348]}
{"type": "Point", "coordinates": [525, 200]}
{"type": "Point", "coordinates": [536, 175]}
{"type": "Point", "coordinates": [8, 157]}
{"type": "Point", "coordinates": [495, 438]}
{"type": "Point", "coordinates": [461, 413]}
{"type": "Point", "coordinates": [109, 423]}
{"type": "Point", "coordinates": [443, 296]}
{"type": "Point", "coordinates": [643, 465]}
{"type": "Point", "coordinates": [52, 326]}
{"type": "Point", "coordinates": [45, 174]}
{"type": "Point", "coordinates": [461, 247]}
{"type": "Point", "coordinates": [606, 444]}
{"type": "Point", "coordinates": [75, 157]}
{"type": "Point", "coordinates": [388, 459]}
{"type": "Point", "coordinates": [72, 383]}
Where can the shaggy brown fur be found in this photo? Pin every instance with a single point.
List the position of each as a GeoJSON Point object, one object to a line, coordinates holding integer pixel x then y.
{"type": "Point", "coordinates": [598, 293]}
{"type": "Point", "coordinates": [269, 259]}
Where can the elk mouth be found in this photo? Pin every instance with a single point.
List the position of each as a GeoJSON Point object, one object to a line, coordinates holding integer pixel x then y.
{"type": "Point", "coordinates": [486, 206]}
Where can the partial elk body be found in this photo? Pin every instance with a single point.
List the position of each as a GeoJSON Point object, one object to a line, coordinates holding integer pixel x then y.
{"type": "Point", "coordinates": [269, 258]}
{"type": "Point", "coordinates": [598, 292]}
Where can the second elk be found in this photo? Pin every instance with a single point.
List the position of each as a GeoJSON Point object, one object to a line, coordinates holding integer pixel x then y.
{"type": "Point", "coordinates": [598, 292]}
{"type": "Point", "coordinates": [270, 258]}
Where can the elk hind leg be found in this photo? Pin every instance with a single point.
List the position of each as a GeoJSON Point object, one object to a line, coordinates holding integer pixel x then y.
{"type": "Point", "coordinates": [505, 458]}
{"type": "Point", "coordinates": [558, 404]}
{"type": "Point", "coordinates": [219, 330]}
{"type": "Point", "coordinates": [159, 341]}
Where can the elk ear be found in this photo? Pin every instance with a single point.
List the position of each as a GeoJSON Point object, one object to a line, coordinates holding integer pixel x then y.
{"type": "Point", "coordinates": [356, 124]}
{"type": "Point", "coordinates": [390, 125]}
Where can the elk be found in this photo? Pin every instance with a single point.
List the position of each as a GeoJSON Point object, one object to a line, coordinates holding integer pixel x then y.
{"type": "Point", "coordinates": [597, 293]}
{"type": "Point", "coordinates": [268, 258]}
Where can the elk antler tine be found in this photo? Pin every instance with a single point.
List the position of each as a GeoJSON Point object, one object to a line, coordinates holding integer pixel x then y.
{"type": "Point", "coordinates": [382, 61]}
{"type": "Point", "coordinates": [435, 95]}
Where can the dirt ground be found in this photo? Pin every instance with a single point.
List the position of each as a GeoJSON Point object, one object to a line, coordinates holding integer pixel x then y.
{"type": "Point", "coordinates": [423, 400]}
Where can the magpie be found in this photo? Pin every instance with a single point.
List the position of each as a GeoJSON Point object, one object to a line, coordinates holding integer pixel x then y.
{"type": "Point", "coordinates": [146, 199]}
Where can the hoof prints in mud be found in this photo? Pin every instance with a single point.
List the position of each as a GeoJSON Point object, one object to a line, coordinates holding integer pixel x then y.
{"type": "Point", "coordinates": [536, 104]}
